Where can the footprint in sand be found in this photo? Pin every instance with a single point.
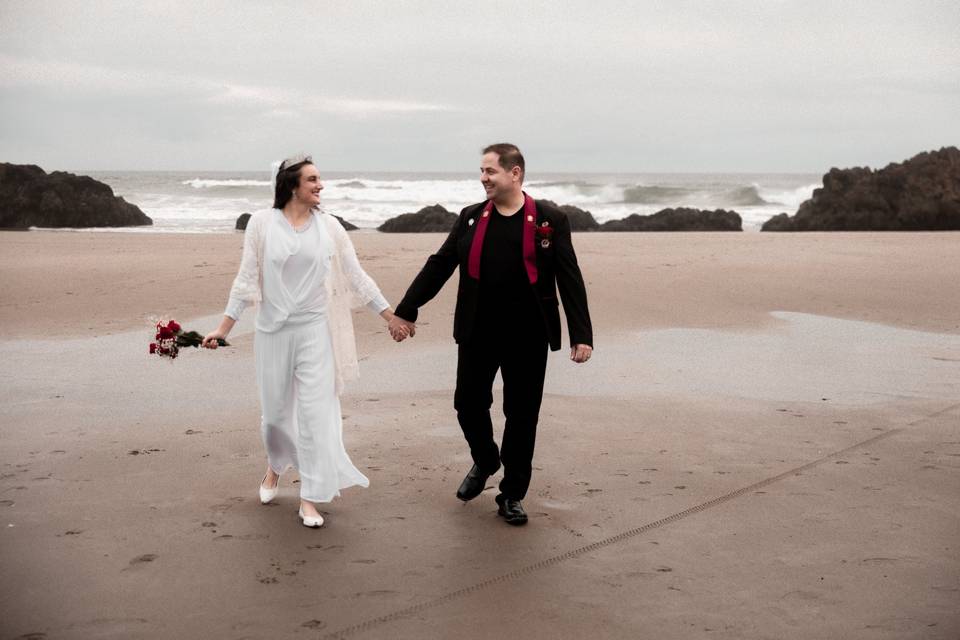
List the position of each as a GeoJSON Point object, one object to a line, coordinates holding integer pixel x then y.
{"type": "Point", "coordinates": [147, 557]}
{"type": "Point", "coordinates": [314, 624]}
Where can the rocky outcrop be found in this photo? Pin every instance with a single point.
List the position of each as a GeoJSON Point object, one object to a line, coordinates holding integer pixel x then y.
{"type": "Point", "coordinates": [428, 219]}
{"type": "Point", "coordinates": [580, 220]}
{"type": "Point", "coordinates": [678, 220]}
{"type": "Point", "coordinates": [920, 194]}
{"type": "Point", "coordinates": [349, 226]}
{"type": "Point", "coordinates": [30, 197]}
{"type": "Point", "coordinates": [245, 218]}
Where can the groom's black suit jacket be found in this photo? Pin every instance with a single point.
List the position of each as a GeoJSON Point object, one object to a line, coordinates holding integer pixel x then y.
{"type": "Point", "coordinates": [556, 269]}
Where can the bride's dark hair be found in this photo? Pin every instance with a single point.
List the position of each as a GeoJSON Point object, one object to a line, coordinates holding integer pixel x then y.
{"type": "Point", "coordinates": [288, 179]}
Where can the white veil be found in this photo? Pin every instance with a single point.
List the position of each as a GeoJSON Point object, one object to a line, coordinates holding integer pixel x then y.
{"type": "Point", "coordinates": [274, 170]}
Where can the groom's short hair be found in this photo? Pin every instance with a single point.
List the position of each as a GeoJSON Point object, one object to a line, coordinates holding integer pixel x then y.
{"type": "Point", "coordinates": [510, 156]}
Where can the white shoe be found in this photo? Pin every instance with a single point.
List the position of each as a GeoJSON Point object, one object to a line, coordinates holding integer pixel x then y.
{"type": "Point", "coordinates": [267, 494]}
{"type": "Point", "coordinates": [311, 521]}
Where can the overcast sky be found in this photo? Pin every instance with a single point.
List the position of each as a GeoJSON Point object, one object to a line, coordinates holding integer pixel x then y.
{"type": "Point", "coordinates": [766, 85]}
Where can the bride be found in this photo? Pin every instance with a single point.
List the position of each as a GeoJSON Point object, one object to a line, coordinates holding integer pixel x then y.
{"type": "Point", "coordinates": [299, 264]}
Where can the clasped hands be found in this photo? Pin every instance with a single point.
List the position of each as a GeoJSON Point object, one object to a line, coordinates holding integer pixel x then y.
{"type": "Point", "coordinates": [401, 329]}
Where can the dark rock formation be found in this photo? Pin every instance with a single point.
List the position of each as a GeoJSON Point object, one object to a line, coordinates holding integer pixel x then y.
{"type": "Point", "coordinates": [920, 194]}
{"type": "Point", "coordinates": [346, 225]}
{"type": "Point", "coordinates": [678, 220]}
{"type": "Point", "coordinates": [779, 222]}
{"type": "Point", "coordinates": [245, 218]}
{"type": "Point", "coordinates": [428, 219]}
{"type": "Point", "coordinates": [580, 220]}
{"type": "Point", "coordinates": [29, 197]}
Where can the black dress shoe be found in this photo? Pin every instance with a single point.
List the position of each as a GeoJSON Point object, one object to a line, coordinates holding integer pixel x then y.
{"type": "Point", "coordinates": [511, 510]}
{"type": "Point", "coordinates": [473, 484]}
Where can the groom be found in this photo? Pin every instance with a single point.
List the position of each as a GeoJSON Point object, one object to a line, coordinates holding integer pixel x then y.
{"type": "Point", "coordinates": [513, 254]}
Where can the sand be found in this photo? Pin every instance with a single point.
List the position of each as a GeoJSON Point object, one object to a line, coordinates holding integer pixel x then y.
{"type": "Point", "coordinates": [766, 444]}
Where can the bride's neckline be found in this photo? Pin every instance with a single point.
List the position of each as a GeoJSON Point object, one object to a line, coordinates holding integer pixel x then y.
{"type": "Point", "coordinates": [303, 227]}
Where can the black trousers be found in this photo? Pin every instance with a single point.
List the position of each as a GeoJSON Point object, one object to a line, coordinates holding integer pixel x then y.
{"type": "Point", "coordinates": [522, 361]}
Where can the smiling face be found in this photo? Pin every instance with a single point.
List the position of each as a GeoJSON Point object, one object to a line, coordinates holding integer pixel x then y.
{"type": "Point", "coordinates": [497, 181]}
{"type": "Point", "coordinates": [309, 188]}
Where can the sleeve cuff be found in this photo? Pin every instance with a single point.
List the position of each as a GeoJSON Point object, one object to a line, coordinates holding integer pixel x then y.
{"type": "Point", "coordinates": [378, 304]}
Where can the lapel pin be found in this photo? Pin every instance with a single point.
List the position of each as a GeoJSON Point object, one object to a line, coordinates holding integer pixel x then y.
{"type": "Point", "coordinates": [469, 221]}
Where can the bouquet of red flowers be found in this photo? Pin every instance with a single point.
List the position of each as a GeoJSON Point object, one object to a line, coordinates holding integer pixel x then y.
{"type": "Point", "coordinates": [171, 336]}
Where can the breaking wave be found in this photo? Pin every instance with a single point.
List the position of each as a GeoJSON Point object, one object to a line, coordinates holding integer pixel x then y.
{"type": "Point", "coordinates": [200, 183]}
{"type": "Point", "coordinates": [747, 196]}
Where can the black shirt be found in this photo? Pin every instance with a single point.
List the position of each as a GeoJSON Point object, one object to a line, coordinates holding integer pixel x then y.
{"type": "Point", "coordinates": [506, 296]}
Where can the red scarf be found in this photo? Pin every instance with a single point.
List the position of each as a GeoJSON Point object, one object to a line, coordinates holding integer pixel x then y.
{"type": "Point", "coordinates": [529, 229]}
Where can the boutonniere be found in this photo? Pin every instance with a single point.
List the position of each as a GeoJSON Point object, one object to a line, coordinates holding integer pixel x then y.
{"type": "Point", "coordinates": [545, 234]}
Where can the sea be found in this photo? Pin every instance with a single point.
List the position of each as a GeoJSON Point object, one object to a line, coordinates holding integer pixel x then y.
{"type": "Point", "coordinates": [211, 201]}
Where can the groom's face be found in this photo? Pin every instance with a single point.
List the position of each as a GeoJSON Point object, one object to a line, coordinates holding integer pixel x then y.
{"type": "Point", "coordinates": [496, 180]}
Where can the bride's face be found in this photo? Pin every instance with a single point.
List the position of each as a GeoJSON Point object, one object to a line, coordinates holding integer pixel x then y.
{"type": "Point", "coordinates": [308, 191]}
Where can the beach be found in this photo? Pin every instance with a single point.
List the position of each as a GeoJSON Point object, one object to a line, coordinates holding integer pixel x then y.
{"type": "Point", "coordinates": [764, 445]}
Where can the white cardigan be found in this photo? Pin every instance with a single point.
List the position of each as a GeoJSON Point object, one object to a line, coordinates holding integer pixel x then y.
{"type": "Point", "coordinates": [347, 284]}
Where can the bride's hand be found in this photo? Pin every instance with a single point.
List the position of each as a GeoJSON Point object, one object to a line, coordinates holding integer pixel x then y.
{"type": "Point", "coordinates": [210, 340]}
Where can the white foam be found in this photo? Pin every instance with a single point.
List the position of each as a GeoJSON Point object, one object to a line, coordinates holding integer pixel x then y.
{"type": "Point", "coordinates": [788, 200]}
{"type": "Point", "coordinates": [200, 183]}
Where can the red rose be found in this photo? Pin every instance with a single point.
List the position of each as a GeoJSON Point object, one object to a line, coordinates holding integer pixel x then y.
{"type": "Point", "coordinates": [165, 333]}
{"type": "Point", "coordinates": [153, 347]}
{"type": "Point", "coordinates": [173, 326]}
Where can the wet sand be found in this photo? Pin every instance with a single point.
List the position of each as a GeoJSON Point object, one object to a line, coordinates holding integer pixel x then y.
{"type": "Point", "coordinates": [765, 445]}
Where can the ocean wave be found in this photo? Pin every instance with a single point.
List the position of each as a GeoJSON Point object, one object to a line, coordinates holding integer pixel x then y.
{"type": "Point", "coordinates": [186, 201]}
{"type": "Point", "coordinates": [743, 197]}
{"type": "Point", "coordinates": [201, 183]}
{"type": "Point", "coordinates": [790, 198]}
{"type": "Point", "coordinates": [746, 196]}
{"type": "Point", "coordinates": [578, 184]}
{"type": "Point", "coordinates": [655, 194]}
